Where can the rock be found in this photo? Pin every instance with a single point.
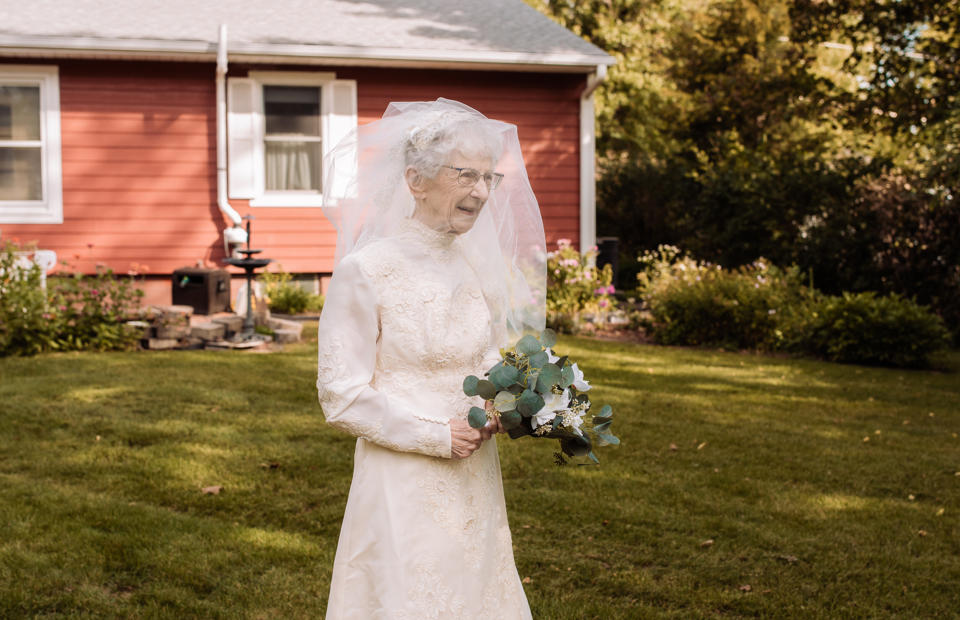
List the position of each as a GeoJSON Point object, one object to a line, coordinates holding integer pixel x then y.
{"type": "Point", "coordinates": [286, 335]}
{"type": "Point", "coordinates": [172, 310]}
{"type": "Point", "coordinates": [208, 331]}
{"type": "Point", "coordinates": [160, 344]}
{"type": "Point", "coordinates": [173, 331]}
{"type": "Point", "coordinates": [140, 327]}
{"type": "Point", "coordinates": [289, 327]}
{"type": "Point", "coordinates": [231, 323]}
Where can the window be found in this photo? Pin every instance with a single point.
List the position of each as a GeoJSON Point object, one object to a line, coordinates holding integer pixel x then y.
{"type": "Point", "coordinates": [30, 181]}
{"type": "Point", "coordinates": [292, 138]}
{"type": "Point", "coordinates": [280, 125]}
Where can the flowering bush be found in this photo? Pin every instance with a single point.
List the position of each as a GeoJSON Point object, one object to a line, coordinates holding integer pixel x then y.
{"type": "Point", "coordinates": [285, 296]}
{"type": "Point", "coordinates": [576, 288]}
{"type": "Point", "coordinates": [698, 303]}
{"type": "Point", "coordinates": [74, 312]}
{"type": "Point", "coordinates": [25, 323]}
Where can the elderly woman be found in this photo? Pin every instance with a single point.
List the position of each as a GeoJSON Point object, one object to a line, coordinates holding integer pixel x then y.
{"type": "Point", "coordinates": [440, 261]}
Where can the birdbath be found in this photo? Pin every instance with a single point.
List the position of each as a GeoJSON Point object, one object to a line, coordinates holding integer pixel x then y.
{"type": "Point", "coordinates": [249, 265]}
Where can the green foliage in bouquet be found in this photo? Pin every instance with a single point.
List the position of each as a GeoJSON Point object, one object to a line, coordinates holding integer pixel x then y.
{"type": "Point", "coordinates": [537, 393]}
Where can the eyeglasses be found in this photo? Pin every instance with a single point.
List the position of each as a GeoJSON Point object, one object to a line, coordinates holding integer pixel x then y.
{"type": "Point", "coordinates": [468, 177]}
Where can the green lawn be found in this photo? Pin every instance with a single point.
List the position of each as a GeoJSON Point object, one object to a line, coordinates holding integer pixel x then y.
{"type": "Point", "coordinates": [827, 491]}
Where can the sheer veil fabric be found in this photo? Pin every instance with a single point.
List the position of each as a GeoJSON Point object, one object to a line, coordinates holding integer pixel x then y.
{"type": "Point", "coordinates": [366, 198]}
{"type": "Point", "coordinates": [411, 310]}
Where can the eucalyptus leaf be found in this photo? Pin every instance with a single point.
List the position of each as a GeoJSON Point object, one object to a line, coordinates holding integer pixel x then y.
{"type": "Point", "coordinates": [603, 427]}
{"type": "Point", "coordinates": [470, 385]}
{"type": "Point", "coordinates": [532, 377]}
{"type": "Point", "coordinates": [575, 446]}
{"type": "Point", "coordinates": [561, 362]}
{"type": "Point", "coordinates": [493, 369]}
{"type": "Point", "coordinates": [549, 376]}
{"type": "Point", "coordinates": [606, 439]}
{"type": "Point", "coordinates": [548, 337]}
{"type": "Point", "coordinates": [477, 417]}
{"type": "Point", "coordinates": [605, 411]}
{"type": "Point", "coordinates": [505, 401]}
{"type": "Point", "coordinates": [511, 419]}
{"type": "Point", "coordinates": [539, 360]}
{"type": "Point", "coordinates": [566, 377]}
{"type": "Point", "coordinates": [557, 421]}
{"type": "Point", "coordinates": [505, 376]}
{"type": "Point", "coordinates": [528, 345]}
{"type": "Point", "coordinates": [486, 390]}
{"type": "Point", "coordinates": [529, 403]}
{"type": "Point", "coordinates": [593, 457]}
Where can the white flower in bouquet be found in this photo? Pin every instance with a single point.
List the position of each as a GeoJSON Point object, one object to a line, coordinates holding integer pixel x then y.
{"type": "Point", "coordinates": [579, 382]}
{"type": "Point", "coordinates": [552, 405]}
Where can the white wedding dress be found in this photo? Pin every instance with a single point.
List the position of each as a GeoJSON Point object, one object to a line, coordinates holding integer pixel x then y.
{"type": "Point", "coordinates": [424, 536]}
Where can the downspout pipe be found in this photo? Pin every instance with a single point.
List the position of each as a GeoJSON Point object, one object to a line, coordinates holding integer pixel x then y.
{"type": "Point", "coordinates": [588, 161]}
{"type": "Point", "coordinates": [234, 235]}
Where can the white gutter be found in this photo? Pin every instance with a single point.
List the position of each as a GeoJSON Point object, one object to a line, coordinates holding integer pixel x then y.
{"type": "Point", "coordinates": [588, 161]}
{"type": "Point", "coordinates": [341, 55]}
{"type": "Point", "coordinates": [236, 234]}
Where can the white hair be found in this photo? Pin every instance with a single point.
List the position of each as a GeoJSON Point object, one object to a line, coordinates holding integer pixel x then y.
{"type": "Point", "coordinates": [428, 147]}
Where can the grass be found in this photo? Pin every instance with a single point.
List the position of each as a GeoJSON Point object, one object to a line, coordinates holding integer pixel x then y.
{"type": "Point", "coordinates": [827, 491]}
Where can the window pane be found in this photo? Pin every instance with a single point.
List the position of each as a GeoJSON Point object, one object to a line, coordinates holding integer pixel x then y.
{"type": "Point", "coordinates": [292, 165]}
{"type": "Point", "coordinates": [19, 112]}
{"type": "Point", "coordinates": [292, 110]}
{"type": "Point", "coordinates": [20, 175]}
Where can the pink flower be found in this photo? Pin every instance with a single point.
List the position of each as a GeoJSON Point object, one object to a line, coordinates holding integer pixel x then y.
{"type": "Point", "coordinates": [611, 290]}
{"type": "Point", "coordinates": [603, 303]}
{"type": "Point", "coordinates": [563, 243]}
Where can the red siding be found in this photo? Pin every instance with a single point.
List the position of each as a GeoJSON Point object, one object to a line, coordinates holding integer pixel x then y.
{"type": "Point", "coordinates": [139, 161]}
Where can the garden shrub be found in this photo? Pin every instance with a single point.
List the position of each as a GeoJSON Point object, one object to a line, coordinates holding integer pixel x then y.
{"type": "Point", "coordinates": [577, 290]}
{"type": "Point", "coordinates": [26, 325]}
{"type": "Point", "coordinates": [868, 329]}
{"type": "Point", "coordinates": [759, 306]}
{"type": "Point", "coordinates": [286, 296]}
{"type": "Point", "coordinates": [698, 303]}
{"type": "Point", "coordinates": [91, 311]}
{"type": "Point", "coordinates": [74, 312]}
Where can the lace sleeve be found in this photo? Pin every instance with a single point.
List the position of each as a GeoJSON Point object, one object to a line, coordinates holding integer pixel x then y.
{"type": "Point", "coordinates": [347, 349]}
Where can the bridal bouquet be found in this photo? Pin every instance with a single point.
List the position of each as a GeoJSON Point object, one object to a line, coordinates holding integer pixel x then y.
{"type": "Point", "coordinates": [535, 392]}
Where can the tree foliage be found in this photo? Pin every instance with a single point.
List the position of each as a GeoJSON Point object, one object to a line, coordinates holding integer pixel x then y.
{"type": "Point", "coordinates": [817, 132]}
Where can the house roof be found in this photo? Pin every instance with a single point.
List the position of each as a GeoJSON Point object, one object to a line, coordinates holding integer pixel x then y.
{"type": "Point", "coordinates": [441, 33]}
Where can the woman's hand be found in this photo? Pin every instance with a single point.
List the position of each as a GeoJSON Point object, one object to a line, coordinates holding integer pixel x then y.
{"type": "Point", "coordinates": [493, 425]}
{"type": "Point", "coordinates": [464, 439]}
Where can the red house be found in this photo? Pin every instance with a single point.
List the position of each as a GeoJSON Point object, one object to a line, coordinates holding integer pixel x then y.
{"type": "Point", "coordinates": [133, 134]}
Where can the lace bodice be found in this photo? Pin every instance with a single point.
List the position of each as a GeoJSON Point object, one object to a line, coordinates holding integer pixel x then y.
{"type": "Point", "coordinates": [405, 321]}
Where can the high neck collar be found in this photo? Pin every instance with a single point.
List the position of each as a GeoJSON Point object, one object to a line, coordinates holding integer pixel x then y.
{"type": "Point", "coordinates": [433, 238]}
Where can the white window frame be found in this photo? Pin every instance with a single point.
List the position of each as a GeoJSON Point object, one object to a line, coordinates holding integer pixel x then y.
{"type": "Point", "coordinates": [50, 209]}
{"type": "Point", "coordinates": [288, 198]}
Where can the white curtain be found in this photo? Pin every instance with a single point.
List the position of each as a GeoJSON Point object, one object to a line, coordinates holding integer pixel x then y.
{"type": "Point", "coordinates": [292, 166]}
